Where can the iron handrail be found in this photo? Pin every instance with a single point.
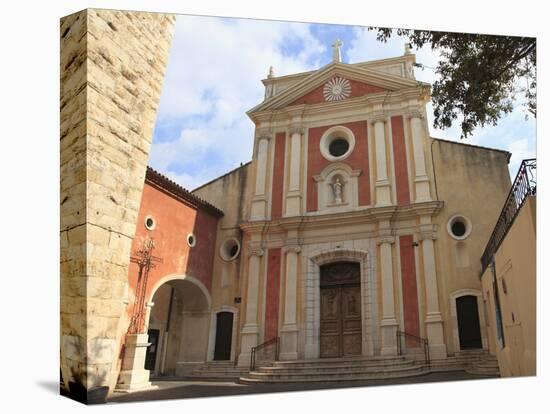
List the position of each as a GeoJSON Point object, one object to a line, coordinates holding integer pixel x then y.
{"type": "Point", "coordinates": [525, 184]}
{"type": "Point", "coordinates": [254, 350]}
{"type": "Point", "coordinates": [423, 341]}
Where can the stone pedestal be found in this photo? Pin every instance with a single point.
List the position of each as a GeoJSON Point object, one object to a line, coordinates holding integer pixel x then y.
{"type": "Point", "coordinates": [289, 343]}
{"type": "Point", "coordinates": [388, 332]}
{"type": "Point", "coordinates": [249, 339]}
{"type": "Point", "coordinates": [133, 376]}
{"type": "Point", "coordinates": [434, 330]}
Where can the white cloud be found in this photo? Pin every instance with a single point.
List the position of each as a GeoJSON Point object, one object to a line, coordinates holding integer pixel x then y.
{"type": "Point", "coordinates": [214, 72]}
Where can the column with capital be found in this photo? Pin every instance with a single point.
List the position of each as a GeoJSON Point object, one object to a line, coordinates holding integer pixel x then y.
{"type": "Point", "coordinates": [249, 332]}
{"type": "Point", "coordinates": [388, 324]}
{"type": "Point", "coordinates": [289, 330]}
{"type": "Point", "coordinates": [421, 181]}
{"type": "Point", "coordinates": [382, 184]}
{"type": "Point", "coordinates": [293, 196]}
{"type": "Point", "coordinates": [259, 201]}
{"type": "Point", "coordinates": [434, 322]}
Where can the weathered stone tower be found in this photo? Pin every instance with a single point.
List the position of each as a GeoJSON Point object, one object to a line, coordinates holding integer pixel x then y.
{"type": "Point", "coordinates": [112, 69]}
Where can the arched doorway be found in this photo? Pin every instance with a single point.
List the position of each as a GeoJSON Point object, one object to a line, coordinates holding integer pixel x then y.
{"type": "Point", "coordinates": [179, 320]}
{"type": "Point", "coordinates": [340, 286]}
{"type": "Point", "coordinates": [467, 316]}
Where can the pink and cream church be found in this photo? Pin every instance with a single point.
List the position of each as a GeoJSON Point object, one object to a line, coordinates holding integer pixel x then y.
{"type": "Point", "coordinates": [352, 234]}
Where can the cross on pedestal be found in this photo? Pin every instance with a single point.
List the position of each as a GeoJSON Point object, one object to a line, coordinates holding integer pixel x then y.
{"type": "Point", "coordinates": [336, 56]}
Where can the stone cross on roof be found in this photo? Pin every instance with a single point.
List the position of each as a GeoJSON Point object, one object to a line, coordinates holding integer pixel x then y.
{"type": "Point", "coordinates": [336, 56]}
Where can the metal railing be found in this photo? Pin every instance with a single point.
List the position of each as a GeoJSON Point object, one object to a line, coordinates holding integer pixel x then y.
{"type": "Point", "coordinates": [255, 349]}
{"type": "Point", "coordinates": [422, 341]}
{"type": "Point", "coordinates": [524, 185]}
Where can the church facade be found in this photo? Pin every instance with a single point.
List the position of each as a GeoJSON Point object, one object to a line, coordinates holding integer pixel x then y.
{"type": "Point", "coordinates": [349, 225]}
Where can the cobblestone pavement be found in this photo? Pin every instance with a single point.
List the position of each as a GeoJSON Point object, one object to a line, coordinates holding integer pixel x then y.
{"type": "Point", "coordinates": [175, 389]}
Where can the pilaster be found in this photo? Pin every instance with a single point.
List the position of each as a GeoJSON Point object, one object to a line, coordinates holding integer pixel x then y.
{"type": "Point", "coordinates": [289, 330]}
{"type": "Point", "coordinates": [293, 195]}
{"type": "Point", "coordinates": [433, 320]}
{"type": "Point", "coordinates": [388, 324]}
{"type": "Point", "coordinates": [382, 184]}
{"type": "Point", "coordinates": [249, 332]}
{"type": "Point", "coordinates": [421, 181]}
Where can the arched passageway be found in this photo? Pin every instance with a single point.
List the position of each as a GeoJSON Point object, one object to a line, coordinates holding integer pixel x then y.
{"type": "Point", "coordinates": [178, 327]}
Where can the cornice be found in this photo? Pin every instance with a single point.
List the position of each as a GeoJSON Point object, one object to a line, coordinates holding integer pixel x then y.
{"type": "Point", "coordinates": [356, 217]}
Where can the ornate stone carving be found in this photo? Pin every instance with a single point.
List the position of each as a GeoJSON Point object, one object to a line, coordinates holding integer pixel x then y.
{"type": "Point", "coordinates": [263, 133]}
{"type": "Point", "coordinates": [378, 116]}
{"type": "Point", "coordinates": [385, 239]}
{"type": "Point", "coordinates": [414, 113]}
{"type": "Point", "coordinates": [292, 248]}
{"type": "Point", "coordinates": [255, 250]}
{"type": "Point", "coordinates": [338, 190]}
{"type": "Point", "coordinates": [296, 129]}
{"type": "Point", "coordinates": [336, 89]}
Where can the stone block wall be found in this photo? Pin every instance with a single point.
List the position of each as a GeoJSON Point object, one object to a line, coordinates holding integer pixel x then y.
{"type": "Point", "coordinates": [112, 69]}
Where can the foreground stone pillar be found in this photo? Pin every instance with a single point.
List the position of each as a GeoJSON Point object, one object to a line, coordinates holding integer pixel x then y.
{"type": "Point", "coordinates": [434, 321]}
{"type": "Point", "coordinates": [383, 197]}
{"type": "Point", "coordinates": [249, 332]}
{"type": "Point", "coordinates": [388, 324]}
{"type": "Point", "coordinates": [421, 181]}
{"type": "Point", "coordinates": [289, 330]}
{"type": "Point", "coordinates": [112, 70]}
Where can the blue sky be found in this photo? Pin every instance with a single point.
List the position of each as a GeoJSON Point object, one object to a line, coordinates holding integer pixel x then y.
{"type": "Point", "coordinates": [213, 78]}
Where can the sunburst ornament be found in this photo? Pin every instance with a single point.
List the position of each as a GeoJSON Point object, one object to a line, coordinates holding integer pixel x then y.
{"type": "Point", "coordinates": [336, 89]}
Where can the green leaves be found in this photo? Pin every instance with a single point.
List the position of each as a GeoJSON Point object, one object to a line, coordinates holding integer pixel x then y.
{"type": "Point", "coordinates": [479, 76]}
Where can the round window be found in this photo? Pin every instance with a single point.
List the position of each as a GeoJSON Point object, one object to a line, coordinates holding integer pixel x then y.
{"type": "Point", "coordinates": [337, 143]}
{"type": "Point", "coordinates": [459, 227]}
{"type": "Point", "coordinates": [230, 249]}
{"type": "Point", "coordinates": [191, 240]}
{"type": "Point", "coordinates": [338, 147]}
{"type": "Point", "coordinates": [150, 223]}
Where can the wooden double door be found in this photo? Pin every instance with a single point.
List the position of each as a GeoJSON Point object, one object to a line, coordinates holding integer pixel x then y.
{"type": "Point", "coordinates": [340, 333]}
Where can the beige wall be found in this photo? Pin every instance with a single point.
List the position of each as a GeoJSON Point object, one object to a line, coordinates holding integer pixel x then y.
{"type": "Point", "coordinates": [472, 182]}
{"type": "Point", "coordinates": [112, 68]}
{"type": "Point", "coordinates": [230, 194]}
{"type": "Point", "coordinates": [515, 267]}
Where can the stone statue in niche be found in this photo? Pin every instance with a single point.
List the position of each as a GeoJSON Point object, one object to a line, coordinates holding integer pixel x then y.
{"type": "Point", "coordinates": [338, 190]}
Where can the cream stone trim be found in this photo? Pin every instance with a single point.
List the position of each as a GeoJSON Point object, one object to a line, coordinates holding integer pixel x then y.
{"type": "Point", "coordinates": [152, 226]}
{"type": "Point", "coordinates": [467, 222]}
{"type": "Point", "coordinates": [313, 299]}
{"type": "Point", "coordinates": [183, 277]}
{"type": "Point", "coordinates": [192, 243]}
{"type": "Point", "coordinates": [351, 188]}
{"type": "Point", "coordinates": [320, 77]}
{"type": "Point", "coordinates": [480, 310]}
{"type": "Point", "coordinates": [330, 135]}
{"type": "Point", "coordinates": [213, 327]}
{"type": "Point", "coordinates": [226, 257]}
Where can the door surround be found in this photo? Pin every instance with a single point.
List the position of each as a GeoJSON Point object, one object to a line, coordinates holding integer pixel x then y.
{"type": "Point", "coordinates": [313, 298]}
{"type": "Point", "coordinates": [480, 311]}
{"type": "Point", "coordinates": [212, 334]}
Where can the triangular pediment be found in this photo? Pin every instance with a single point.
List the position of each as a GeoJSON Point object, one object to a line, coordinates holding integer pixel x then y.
{"type": "Point", "coordinates": [331, 80]}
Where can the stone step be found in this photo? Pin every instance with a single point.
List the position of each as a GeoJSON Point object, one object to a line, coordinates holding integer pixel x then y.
{"type": "Point", "coordinates": [334, 372]}
{"type": "Point", "coordinates": [336, 368]}
{"type": "Point", "coordinates": [333, 378]}
{"type": "Point", "coordinates": [339, 361]}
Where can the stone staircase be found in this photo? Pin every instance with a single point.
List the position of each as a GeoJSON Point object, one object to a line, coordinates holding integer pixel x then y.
{"type": "Point", "coordinates": [217, 371]}
{"type": "Point", "coordinates": [476, 361]}
{"type": "Point", "coordinates": [330, 370]}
